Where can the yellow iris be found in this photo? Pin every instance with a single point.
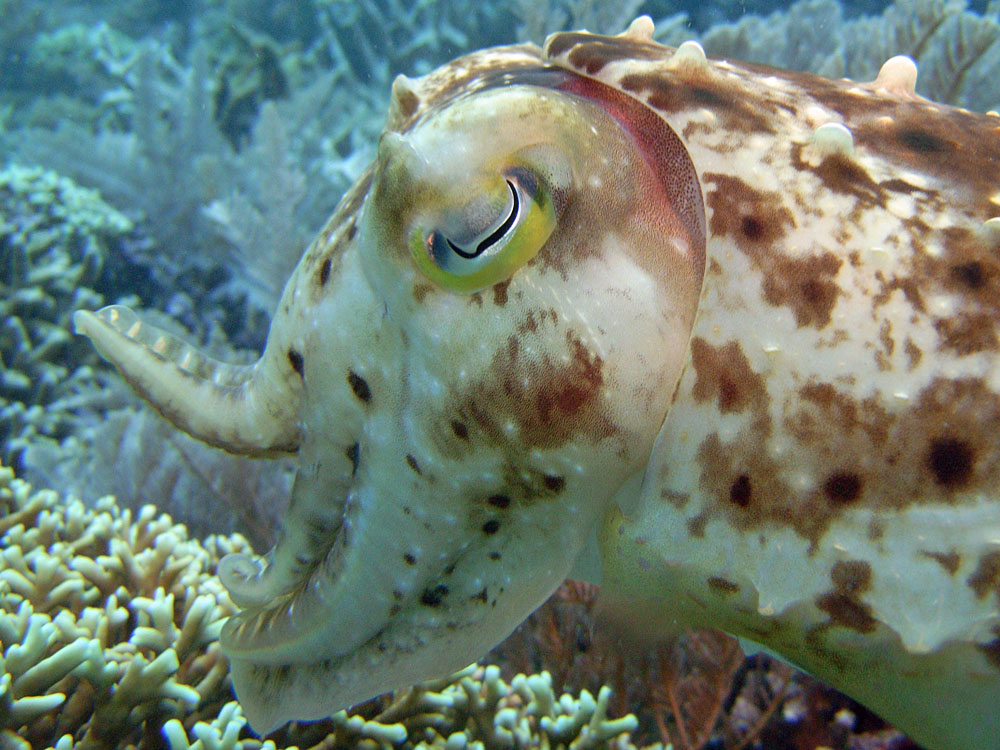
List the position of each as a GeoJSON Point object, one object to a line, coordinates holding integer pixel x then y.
{"type": "Point", "coordinates": [519, 237]}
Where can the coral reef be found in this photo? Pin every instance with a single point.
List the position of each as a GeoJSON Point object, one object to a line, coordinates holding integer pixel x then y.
{"type": "Point", "coordinates": [109, 623]}
{"type": "Point", "coordinates": [55, 238]}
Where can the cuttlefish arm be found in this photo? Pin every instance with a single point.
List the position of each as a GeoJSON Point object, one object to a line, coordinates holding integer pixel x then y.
{"type": "Point", "coordinates": [248, 410]}
{"type": "Point", "coordinates": [463, 399]}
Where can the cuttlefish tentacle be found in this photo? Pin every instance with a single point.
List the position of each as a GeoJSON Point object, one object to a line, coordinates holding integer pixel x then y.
{"type": "Point", "coordinates": [308, 533]}
{"type": "Point", "coordinates": [247, 410]}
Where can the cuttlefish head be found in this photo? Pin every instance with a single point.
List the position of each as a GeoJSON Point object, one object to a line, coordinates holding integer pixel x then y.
{"type": "Point", "coordinates": [472, 358]}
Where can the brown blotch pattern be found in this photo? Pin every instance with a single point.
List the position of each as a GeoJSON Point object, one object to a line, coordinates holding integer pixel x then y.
{"type": "Point", "coordinates": [757, 221]}
{"type": "Point", "coordinates": [722, 585]}
{"type": "Point", "coordinates": [842, 174]}
{"type": "Point", "coordinates": [551, 401]}
{"type": "Point", "coordinates": [500, 293]}
{"type": "Point", "coordinates": [949, 560]}
{"type": "Point", "coordinates": [850, 579]}
{"type": "Point", "coordinates": [741, 491]}
{"type": "Point", "coordinates": [806, 285]}
{"type": "Point", "coordinates": [957, 148]}
{"type": "Point", "coordinates": [970, 274]}
{"type": "Point", "coordinates": [913, 354]}
{"type": "Point", "coordinates": [739, 109]}
{"type": "Point", "coordinates": [968, 333]}
{"type": "Point", "coordinates": [970, 270]}
{"type": "Point", "coordinates": [725, 376]}
{"type": "Point", "coordinates": [939, 450]}
{"type": "Point", "coordinates": [574, 392]}
{"type": "Point", "coordinates": [590, 52]}
{"type": "Point", "coordinates": [985, 579]}
{"type": "Point", "coordinates": [842, 487]}
{"type": "Point", "coordinates": [950, 460]}
{"type": "Point", "coordinates": [910, 287]}
{"type": "Point", "coordinates": [420, 291]}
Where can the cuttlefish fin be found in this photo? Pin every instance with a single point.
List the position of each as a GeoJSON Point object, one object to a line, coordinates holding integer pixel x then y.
{"type": "Point", "coordinates": [249, 409]}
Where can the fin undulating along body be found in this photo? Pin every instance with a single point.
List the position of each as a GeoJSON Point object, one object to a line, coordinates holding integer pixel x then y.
{"type": "Point", "coordinates": [771, 295]}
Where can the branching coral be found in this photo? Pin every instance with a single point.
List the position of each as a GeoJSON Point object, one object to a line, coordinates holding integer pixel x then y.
{"type": "Point", "coordinates": [54, 239]}
{"type": "Point", "coordinates": [108, 621]}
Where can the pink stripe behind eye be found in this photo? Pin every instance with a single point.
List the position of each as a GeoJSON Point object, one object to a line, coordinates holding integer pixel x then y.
{"type": "Point", "coordinates": [662, 150]}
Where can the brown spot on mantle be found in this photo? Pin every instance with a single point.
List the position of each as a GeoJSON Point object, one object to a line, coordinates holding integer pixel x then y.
{"type": "Point", "coordinates": [734, 103]}
{"type": "Point", "coordinates": [591, 52]}
{"type": "Point", "coordinates": [758, 221]}
{"type": "Point", "coordinates": [850, 578]}
{"type": "Point", "coordinates": [940, 449]}
{"type": "Point", "coordinates": [950, 560]}
{"type": "Point", "coordinates": [725, 375]}
{"type": "Point", "coordinates": [755, 219]}
{"type": "Point", "coordinates": [985, 579]}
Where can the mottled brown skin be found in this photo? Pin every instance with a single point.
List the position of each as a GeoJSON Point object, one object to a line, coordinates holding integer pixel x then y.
{"type": "Point", "coordinates": [831, 458]}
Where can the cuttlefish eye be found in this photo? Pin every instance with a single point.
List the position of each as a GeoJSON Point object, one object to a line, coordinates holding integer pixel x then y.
{"type": "Point", "coordinates": [488, 238]}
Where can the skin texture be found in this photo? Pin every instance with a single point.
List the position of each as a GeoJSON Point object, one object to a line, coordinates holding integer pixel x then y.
{"type": "Point", "coordinates": [770, 296]}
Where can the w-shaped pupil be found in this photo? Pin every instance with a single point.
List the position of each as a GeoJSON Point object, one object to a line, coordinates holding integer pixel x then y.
{"type": "Point", "coordinates": [496, 234]}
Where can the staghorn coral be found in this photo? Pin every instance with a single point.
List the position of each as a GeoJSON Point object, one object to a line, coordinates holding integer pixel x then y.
{"type": "Point", "coordinates": [108, 621]}
{"type": "Point", "coordinates": [108, 638]}
{"type": "Point", "coordinates": [75, 72]}
{"type": "Point", "coordinates": [55, 237]}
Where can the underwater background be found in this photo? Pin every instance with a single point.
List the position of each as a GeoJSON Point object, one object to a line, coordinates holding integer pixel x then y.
{"type": "Point", "coordinates": [177, 156]}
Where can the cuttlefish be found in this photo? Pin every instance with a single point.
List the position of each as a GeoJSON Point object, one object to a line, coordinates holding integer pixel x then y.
{"type": "Point", "coordinates": [734, 326]}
